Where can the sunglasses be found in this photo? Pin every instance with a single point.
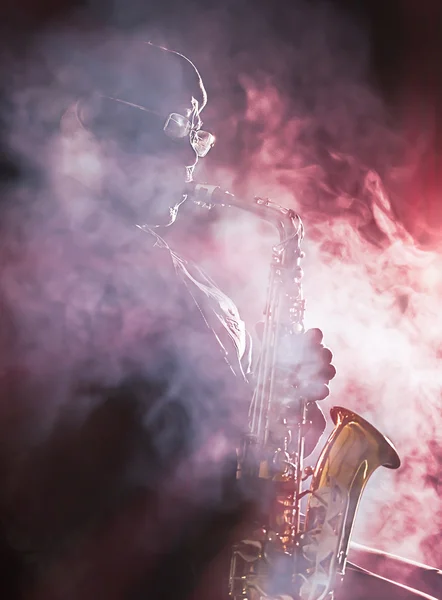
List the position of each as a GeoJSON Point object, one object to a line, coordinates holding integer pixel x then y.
{"type": "Point", "coordinates": [178, 127]}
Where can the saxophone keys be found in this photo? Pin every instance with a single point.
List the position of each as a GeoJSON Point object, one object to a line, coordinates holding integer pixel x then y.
{"type": "Point", "coordinates": [308, 472]}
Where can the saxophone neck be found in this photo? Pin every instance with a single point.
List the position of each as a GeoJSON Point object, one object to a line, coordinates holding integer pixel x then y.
{"type": "Point", "coordinates": [287, 221]}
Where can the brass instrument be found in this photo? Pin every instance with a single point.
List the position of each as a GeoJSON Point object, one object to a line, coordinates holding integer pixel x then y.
{"type": "Point", "coordinates": [288, 556]}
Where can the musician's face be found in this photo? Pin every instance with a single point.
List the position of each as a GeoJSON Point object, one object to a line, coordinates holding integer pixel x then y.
{"type": "Point", "coordinates": [150, 155]}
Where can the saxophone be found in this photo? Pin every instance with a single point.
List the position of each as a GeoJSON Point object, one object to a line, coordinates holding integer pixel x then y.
{"type": "Point", "coordinates": [290, 556]}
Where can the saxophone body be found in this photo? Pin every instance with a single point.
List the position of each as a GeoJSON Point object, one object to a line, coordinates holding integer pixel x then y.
{"type": "Point", "coordinates": [288, 555]}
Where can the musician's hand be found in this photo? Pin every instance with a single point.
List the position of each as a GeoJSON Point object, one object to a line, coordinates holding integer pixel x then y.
{"type": "Point", "coordinates": [308, 360]}
{"type": "Point", "coordinates": [312, 368]}
{"type": "Point", "coordinates": [309, 363]}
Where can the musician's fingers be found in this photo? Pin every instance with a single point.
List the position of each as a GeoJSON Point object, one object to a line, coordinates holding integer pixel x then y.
{"type": "Point", "coordinates": [315, 373]}
{"type": "Point", "coordinates": [315, 391]}
{"type": "Point", "coordinates": [317, 355]}
{"type": "Point", "coordinates": [327, 373]}
{"type": "Point", "coordinates": [326, 355]}
{"type": "Point", "coordinates": [313, 337]}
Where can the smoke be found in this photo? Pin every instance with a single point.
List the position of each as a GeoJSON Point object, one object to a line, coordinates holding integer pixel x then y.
{"type": "Point", "coordinates": [297, 120]}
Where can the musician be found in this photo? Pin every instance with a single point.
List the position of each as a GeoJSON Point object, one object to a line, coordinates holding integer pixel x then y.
{"type": "Point", "coordinates": [141, 365]}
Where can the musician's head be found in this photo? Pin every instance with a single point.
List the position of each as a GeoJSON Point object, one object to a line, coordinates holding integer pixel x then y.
{"type": "Point", "coordinates": [141, 119]}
